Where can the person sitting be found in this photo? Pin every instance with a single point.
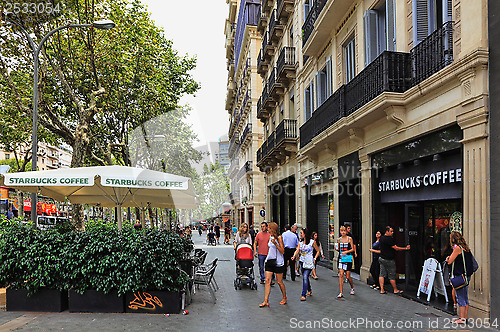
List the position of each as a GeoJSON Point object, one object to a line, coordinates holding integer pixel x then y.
{"type": "Point", "coordinates": [211, 237]}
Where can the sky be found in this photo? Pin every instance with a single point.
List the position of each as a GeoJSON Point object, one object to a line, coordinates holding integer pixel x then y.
{"type": "Point", "coordinates": [196, 27]}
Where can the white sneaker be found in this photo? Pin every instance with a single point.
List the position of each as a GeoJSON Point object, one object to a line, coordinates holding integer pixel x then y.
{"type": "Point", "coordinates": [297, 274]}
{"type": "Point", "coordinates": [340, 296]}
{"type": "Point", "coordinates": [352, 291]}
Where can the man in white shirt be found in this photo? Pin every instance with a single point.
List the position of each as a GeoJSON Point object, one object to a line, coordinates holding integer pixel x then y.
{"type": "Point", "coordinates": [291, 241]}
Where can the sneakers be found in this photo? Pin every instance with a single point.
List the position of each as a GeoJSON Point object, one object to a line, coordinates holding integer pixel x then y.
{"type": "Point", "coordinates": [297, 274]}
{"type": "Point", "coordinates": [352, 291]}
{"type": "Point", "coordinates": [340, 296]}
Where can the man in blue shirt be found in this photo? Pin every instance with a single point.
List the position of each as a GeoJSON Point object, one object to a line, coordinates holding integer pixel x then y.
{"type": "Point", "coordinates": [291, 241]}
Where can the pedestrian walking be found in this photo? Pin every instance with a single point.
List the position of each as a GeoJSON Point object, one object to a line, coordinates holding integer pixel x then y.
{"type": "Point", "coordinates": [346, 250]}
{"type": "Point", "coordinates": [307, 260]}
{"type": "Point", "coordinates": [461, 265]}
{"type": "Point", "coordinates": [375, 267]}
{"type": "Point", "coordinates": [275, 263]}
{"type": "Point", "coordinates": [227, 233]}
{"type": "Point", "coordinates": [260, 248]}
{"type": "Point", "coordinates": [315, 238]}
{"type": "Point", "coordinates": [291, 242]}
{"type": "Point", "coordinates": [252, 233]}
{"type": "Point", "coordinates": [242, 236]}
{"type": "Point", "coordinates": [234, 230]}
{"type": "Point", "coordinates": [387, 260]}
{"type": "Point", "coordinates": [217, 232]}
{"type": "Point", "coordinates": [200, 230]}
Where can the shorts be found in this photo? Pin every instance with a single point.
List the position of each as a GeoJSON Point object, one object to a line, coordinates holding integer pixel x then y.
{"type": "Point", "coordinates": [274, 268]}
{"type": "Point", "coordinates": [387, 268]}
{"type": "Point", "coordinates": [345, 266]}
{"type": "Point", "coordinates": [462, 296]}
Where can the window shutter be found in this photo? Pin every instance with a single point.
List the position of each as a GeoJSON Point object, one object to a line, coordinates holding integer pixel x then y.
{"type": "Point", "coordinates": [329, 82]}
{"type": "Point", "coordinates": [390, 19]}
{"type": "Point", "coordinates": [370, 32]}
{"type": "Point", "coordinates": [447, 10]}
{"type": "Point", "coordinates": [306, 105]}
{"type": "Point", "coordinates": [420, 20]}
{"type": "Point", "coordinates": [307, 8]}
{"type": "Point", "coordinates": [448, 37]}
{"type": "Point", "coordinates": [318, 89]}
{"type": "Point", "coordinates": [311, 100]}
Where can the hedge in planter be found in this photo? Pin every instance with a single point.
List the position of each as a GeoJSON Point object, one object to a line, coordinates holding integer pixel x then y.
{"type": "Point", "coordinates": [31, 263]}
{"type": "Point", "coordinates": [100, 258]}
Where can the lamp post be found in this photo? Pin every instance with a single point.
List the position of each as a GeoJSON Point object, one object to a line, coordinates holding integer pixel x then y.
{"type": "Point", "coordinates": [102, 25]}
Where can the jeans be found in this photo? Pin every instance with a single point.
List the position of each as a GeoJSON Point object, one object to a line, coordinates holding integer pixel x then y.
{"type": "Point", "coordinates": [306, 285]}
{"type": "Point", "coordinates": [262, 258]}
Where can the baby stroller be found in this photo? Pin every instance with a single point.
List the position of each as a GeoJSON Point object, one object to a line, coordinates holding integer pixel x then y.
{"type": "Point", "coordinates": [244, 267]}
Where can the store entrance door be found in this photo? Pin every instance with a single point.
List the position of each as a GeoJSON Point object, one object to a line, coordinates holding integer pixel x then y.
{"type": "Point", "coordinates": [414, 234]}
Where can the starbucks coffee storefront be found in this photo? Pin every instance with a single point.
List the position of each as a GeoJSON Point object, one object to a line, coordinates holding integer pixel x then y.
{"type": "Point", "coordinates": [417, 189]}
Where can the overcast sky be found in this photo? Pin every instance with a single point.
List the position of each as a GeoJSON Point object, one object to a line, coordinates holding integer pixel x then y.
{"type": "Point", "coordinates": [196, 27]}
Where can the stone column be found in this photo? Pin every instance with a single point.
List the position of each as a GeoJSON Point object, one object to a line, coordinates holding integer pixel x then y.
{"type": "Point", "coordinates": [336, 207]}
{"type": "Point", "coordinates": [366, 214]}
{"type": "Point", "coordinates": [476, 220]}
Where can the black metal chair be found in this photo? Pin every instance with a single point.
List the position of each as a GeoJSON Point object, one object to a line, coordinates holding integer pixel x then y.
{"type": "Point", "coordinates": [205, 278]}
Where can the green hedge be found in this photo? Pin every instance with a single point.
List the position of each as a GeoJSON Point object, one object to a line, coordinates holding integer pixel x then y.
{"type": "Point", "coordinates": [101, 258]}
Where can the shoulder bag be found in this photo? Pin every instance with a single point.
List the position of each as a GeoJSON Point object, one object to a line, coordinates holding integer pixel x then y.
{"type": "Point", "coordinates": [344, 258]}
{"type": "Point", "coordinates": [460, 281]}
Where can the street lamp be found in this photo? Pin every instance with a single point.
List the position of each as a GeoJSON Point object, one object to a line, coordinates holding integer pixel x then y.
{"type": "Point", "coordinates": [102, 25]}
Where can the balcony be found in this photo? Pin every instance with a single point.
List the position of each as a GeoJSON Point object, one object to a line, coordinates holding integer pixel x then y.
{"type": "Point", "coordinates": [280, 144]}
{"type": "Point", "coordinates": [267, 6]}
{"type": "Point", "coordinates": [275, 29]}
{"type": "Point", "coordinates": [324, 17]}
{"type": "Point", "coordinates": [235, 165]}
{"type": "Point", "coordinates": [247, 168]}
{"type": "Point", "coordinates": [285, 9]}
{"type": "Point", "coordinates": [233, 147]}
{"type": "Point", "coordinates": [262, 24]}
{"type": "Point", "coordinates": [286, 66]}
{"type": "Point", "coordinates": [275, 88]}
{"type": "Point", "coordinates": [262, 110]}
{"type": "Point", "coordinates": [247, 72]}
{"type": "Point", "coordinates": [246, 137]}
{"type": "Point", "coordinates": [268, 48]}
{"type": "Point", "coordinates": [262, 64]}
{"type": "Point", "coordinates": [247, 101]}
{"type": "Point", "coordinates": [389, 72]}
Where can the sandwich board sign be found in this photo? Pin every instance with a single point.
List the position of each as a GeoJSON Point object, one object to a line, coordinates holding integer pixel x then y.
{"type": "Point", "coordinates": [432, 280]}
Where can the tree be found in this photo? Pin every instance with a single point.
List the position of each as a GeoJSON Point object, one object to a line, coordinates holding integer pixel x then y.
{"type": "Point", "coordinates": [213, 188]}
{"type": "Point", "coordinates": [95, 86]}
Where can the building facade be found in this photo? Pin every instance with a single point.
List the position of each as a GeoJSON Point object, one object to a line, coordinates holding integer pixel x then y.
{"type": "Point", "coordinates": [243, 91]}
{"type": "Point", "coordinates": [376, 113]}
{"type": "Point", "coordinates": [49, 156]}
{"type": "Point", "coordinates": [222, 156]}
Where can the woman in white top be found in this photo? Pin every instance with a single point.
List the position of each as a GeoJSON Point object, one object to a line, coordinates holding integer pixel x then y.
{"type": "Point", "coordinates": [243, 236]}
{"type": "Point", "coordinates": [274, 264]}
{"type": "Point", "coordinates": [305, 249]}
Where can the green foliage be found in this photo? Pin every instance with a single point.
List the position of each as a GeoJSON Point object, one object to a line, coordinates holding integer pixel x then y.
{"type": "Point", "coordinates": [15, 166]}
{"type": "Point", "coordinates": [213, 188]}
{"type": "Point", "coordinates": [100, 258]}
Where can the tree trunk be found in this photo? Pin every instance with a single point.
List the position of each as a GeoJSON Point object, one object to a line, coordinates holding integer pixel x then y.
{"type": "Point", "coordinates": [78, 160]}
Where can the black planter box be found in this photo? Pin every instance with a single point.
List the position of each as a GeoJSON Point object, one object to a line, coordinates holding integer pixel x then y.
{"type": "Point", "coordinates": [96, 301]}
{"type": "Point", "coordinates": [153, 302]}
{"type": "Point", "coordinates": [46, 300]}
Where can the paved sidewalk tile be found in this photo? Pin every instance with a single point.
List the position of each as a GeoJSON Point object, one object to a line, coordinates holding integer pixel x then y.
{"type": "Point", "coordinates": [238, 309]}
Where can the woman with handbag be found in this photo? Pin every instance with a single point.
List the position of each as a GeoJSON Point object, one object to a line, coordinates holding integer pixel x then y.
{"type": "Point", "coordinates": [346, 248]}
{"type": "Point", "coordinates": [461, 270]}
{"type": "Point", "coordinates": [314, 237]}
{"type": "Point", "coordinates": [306, 261]}
{"type": "Point", "coordinates": [274, 263]}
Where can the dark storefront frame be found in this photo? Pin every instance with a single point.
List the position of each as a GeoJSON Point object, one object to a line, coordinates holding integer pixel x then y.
{"type": "Point", "coordinates": [423, 214]}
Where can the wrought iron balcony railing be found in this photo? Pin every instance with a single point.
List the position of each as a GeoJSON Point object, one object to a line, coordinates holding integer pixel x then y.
{"type": "Point", "coordinates": [247, 133]}
{"type": "Point", "coordinates": [286, 61]}
{"type": "Point", "coordinates": [313, 15]}
{"type": "Point", "coordinates": [391, 72]}
{"type": "Point", "coordinates": [287, 129]}
{"type": "Point", "coordinates": [433, 53]}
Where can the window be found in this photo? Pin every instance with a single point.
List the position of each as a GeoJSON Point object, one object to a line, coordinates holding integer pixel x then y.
{"type": "Point", "coordinates": [7, 156]}
{"type": "Point", "coordinates": [429, 15]}
{"type": "Point", "coordinates": [324, 83]}
{"type": "Point", "coordinates": [291, 36]}
{"type": "Point", "coordinates": [308, 101]}
{"type": "Point", "coordinates": [349, 56]}
{"type": "Point", "coordinates": [291, 105]}
{"type": "Point", "coordinates": [379, 30]}
{"type": "Point", "coordinates": [282, 111]}
{"type": "Point", "coordinates": [307, 8]}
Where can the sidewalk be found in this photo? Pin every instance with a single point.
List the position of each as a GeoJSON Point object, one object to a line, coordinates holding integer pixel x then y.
{"type": "Point", "coordinates": [239, 309]}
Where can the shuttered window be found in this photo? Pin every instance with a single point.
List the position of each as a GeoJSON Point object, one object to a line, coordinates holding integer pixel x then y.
{"type": "Point", "coordinates": [308, 101]}
{"type": "Point", "coordinates": [429, 15]}
{"type": "Point", "coordinates": [349, 58]}
{"type": "Point", "coordinates": [324, 83]}
{"type": "Point", "coordinates": [379, 26]}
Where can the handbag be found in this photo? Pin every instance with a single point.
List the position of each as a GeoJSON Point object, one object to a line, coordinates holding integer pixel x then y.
{"type": "Point", "coordinates": [475, 265]}
{"type": "Point", "coordinates": [459, 281]}
{"type": "Point", "coordinates": [345, 258]}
